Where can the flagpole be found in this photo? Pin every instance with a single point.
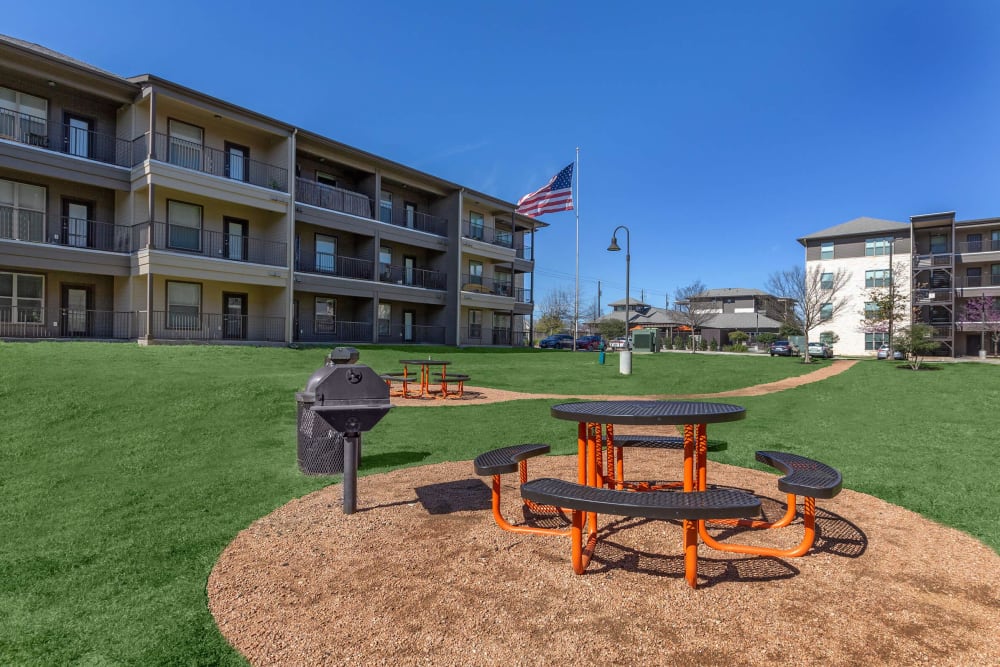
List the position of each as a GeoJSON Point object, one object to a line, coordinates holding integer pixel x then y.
{"type": "Point", "coordinates": [576, 205]}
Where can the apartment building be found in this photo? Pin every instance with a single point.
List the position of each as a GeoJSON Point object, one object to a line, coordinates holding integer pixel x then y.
{"type": "Point", "coordinates": [138, 209]}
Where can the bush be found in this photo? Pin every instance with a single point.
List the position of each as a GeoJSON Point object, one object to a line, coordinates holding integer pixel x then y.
{"type": "Point", "coordinates": [678, 343]}
{"type": "Point", "coordinates": [767, 338]}
{"type": "Point", "coordinates": [738, 337]}
{"type": "Point", "coordinates": [703, 345]}
{"type": "Point", "coordinates": [713, 345]}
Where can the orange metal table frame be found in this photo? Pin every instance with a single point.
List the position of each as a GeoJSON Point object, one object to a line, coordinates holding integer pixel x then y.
{"type": "Point", "coordinates": [425, 371]}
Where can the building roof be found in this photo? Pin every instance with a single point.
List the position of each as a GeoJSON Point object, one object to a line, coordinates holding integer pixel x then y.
{"type": "Point", "coordinates": [856, 227]}
{"type": "Point", "coordinates": [40, 50]}
{"type": "Point", "coordinates": [741, 321]}
{"type": "Point", "coordinates": [729, 292]}
{"type": "Point", "coordinates": [631, 302]}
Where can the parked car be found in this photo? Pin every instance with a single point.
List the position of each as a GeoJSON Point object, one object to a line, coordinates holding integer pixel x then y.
{"type": "Point", "coordinates": [556, 341]}
{"type": "Point", "coordinates": [883, 353]}
{"type": "Point", "coordinates": [618, 344]}
{"type": "Point", "coordinates": [590, 343]}
{"type": "Point", "coordinates": [820, 350]}
{"type": "Point", "coordinates": [782, 348]}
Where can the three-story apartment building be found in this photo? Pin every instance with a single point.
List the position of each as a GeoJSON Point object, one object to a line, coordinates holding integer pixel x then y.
{"type": "Point", "coordinates": [138, 209]}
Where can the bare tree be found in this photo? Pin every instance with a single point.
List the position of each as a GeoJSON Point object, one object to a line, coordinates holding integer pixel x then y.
{"type": "Point", "coordinates": [590, 313]}
{"type": "Point", "coordinates": [817, 295]}
{"type": "Point", "coordinates": [556, 311]}
{"type": "Point", "coordinates": [694, 312]}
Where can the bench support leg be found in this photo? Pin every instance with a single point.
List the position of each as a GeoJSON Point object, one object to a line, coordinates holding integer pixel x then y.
{"type": "Point", "coordinates": [506, 525]}
{"type": "Point", "coordinates": [809, 536]}
{"type": "Point", "coordinates": [691, 552]}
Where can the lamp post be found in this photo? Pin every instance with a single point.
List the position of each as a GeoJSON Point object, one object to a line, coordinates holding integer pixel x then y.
{"type": "Point", "coordinates": [625, 358]}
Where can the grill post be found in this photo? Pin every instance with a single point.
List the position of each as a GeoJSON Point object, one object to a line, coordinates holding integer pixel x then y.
{"type": "Point", "coordinates": [352, 452]}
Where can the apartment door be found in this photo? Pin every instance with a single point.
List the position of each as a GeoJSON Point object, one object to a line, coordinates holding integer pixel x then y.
{"type": "Point", "coordinates": [408, 318]}
{"type": "Point", "coordinates": [409, 269]}
{"type": "Point", "coordinates": [76, 301]}
{"type": "Point", "coordinates": [237, 158]}
{"type": "Point", "coordinates": [501, 329]}
{"type": "Point", "coordinates": [76, 224]}
{"type": "Point", "coordinates": [234, 316]}
{"type": "Point", "coordinates": [235, 239]}
{"type": "Point", "coordinates": [385, 207]}
{"type": "Point", "coordinates": [973, 343]}
{"type": "Point", "coordinates": [79, 135]}
{"type": "Point", "coordinates": [410, 210]}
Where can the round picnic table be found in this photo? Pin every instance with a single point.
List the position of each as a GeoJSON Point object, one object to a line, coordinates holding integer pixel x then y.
{"type": "Point", "coordinates": [425, 370]}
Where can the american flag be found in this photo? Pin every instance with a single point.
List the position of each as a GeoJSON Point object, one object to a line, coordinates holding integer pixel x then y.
{"type": "Point", "coordinates": [557, 195]}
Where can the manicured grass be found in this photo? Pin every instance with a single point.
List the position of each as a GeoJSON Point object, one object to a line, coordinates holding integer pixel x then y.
{"type": "Point", "coordinates": [125, 471]}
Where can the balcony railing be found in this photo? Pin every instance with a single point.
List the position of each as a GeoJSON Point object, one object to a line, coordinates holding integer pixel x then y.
{"type": "Point", "coordinates": [401, 275]}
{"type": "Point", "coordinates": [423, 222]}
{"type": "Point", "coordinates": [234, 247]}
{"type": "Point", "coordinates": [32, 226]}
{"type": "Point", "coordinates": [169, 325]}
{"type": "Point", "coordinates": [987, 245]}
{"type": "Point", "coordinates": [337, 331]}
{"type": "Point", "coordinates": [66, 323]}
{"type": "Point", "coordinates": [198, 157]}
{"type": "Point", "coordinates": [389, 334]}
{"type": "Point", "coordinates": [483, 285]}
{"type": "Point", "coordinates": [63, 138]}
{"type": "Point", "coordinates": [525, 252]}
{"type": "Point", "coordinates": [339, 265]}
{"type": "Point", "coordinates": [937, 259]}
{"type": "Point", "coordinates": [493, 235]}
{"type": "Point", "coordinates": [932, 295]}
{"type": "Point", "coordinates": [989, 280]}
{"type": "Point", "coordinates": [334, 199]}
{"type": "Point", "coordinates": [475, 334]}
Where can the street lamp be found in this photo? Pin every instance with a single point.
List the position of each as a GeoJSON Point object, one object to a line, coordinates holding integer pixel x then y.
{"type": "Point", "coordinates": [625, 359]}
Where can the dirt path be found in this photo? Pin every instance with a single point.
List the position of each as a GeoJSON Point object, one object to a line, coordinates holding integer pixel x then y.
{"type": "Point", "coordinates": [421, 575]}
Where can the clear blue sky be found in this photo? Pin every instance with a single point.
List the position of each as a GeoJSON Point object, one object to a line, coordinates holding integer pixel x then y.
{"type": "Point", "coordinates": [718, 132]}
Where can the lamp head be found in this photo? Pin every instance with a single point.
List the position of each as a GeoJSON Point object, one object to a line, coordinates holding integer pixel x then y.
{"type": "Point", "coordinates": [614, 244]}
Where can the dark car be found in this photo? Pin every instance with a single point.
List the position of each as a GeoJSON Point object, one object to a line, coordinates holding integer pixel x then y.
{"type": "Point", "coordinates": [782, 348]}
{"type": "Point", "coordinates": [590, 343]}
{"type": "Point", "coordinates": [556, 341]}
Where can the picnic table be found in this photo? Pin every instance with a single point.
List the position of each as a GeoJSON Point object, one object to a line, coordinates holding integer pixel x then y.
{"type": "Point", "coordinates": [425, 371]}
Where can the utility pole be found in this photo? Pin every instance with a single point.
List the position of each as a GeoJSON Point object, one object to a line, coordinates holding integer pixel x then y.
{"type": "Point", "coordinates": [598, 299]}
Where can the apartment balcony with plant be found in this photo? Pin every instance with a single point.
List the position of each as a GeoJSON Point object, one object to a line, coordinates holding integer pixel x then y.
{"type": "Point", "coordinates": [18, 224]}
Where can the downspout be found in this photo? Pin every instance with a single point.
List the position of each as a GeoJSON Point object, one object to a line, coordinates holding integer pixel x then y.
{"type": "Point", "coordinates": [458, 271]}
{"type": "Point", "coordinates": [290, 239]}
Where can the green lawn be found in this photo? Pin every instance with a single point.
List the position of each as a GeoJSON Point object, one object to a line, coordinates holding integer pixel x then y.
{"type": "Point", "coordinates": [124, 471]}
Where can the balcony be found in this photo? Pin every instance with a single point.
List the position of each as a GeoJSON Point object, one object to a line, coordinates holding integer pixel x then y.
{"type": "Point", "coordinates": [990, 280]}
{"type": "Point", "coordinates": [422, 222]}
{"type": "Point", "coordinates": [63, 138]}
{"type": "Point", "coordinates": [334, 199]}
{"type": "Point", "coordinates": [198, 157]}
{"type": "Point", "coordinates": [932, 296]}
{"type": "Point", "coordinates": [492, 235]}
{"type": "Point", "coordinates": [233, 247]}
{"type": "Point", "coordinates": [388, 334]}
{"type": "Point", "coordinates": [337, 265]}
{"type": "Point", "coordinates": [481, 285]}
{"type": "Point", "coordinates": [212, 327]}
{"type": "Point", "coordinates": [937, 259]}
{"type": "Point", "coordinates": [66, 323]}
{"type": "Point", "coordinates": [32, 227]}
{"type": "Point", "coordinates": [475, 334]}
{"type": "Point", "coordinates": [339, 331]}
{"type": "Point", "coordinates": [989, 245]}
{"type": "Point", "coordinates": [412, 277]}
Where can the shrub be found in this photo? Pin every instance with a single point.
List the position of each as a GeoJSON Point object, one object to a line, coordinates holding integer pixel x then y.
{"type": "Point", "coordinates": [713, 345]}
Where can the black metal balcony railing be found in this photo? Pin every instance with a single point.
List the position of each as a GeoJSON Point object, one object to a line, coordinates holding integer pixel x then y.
{"type": "Point", "coordinates": [930, 296]}
{"type": "Point", "coordinates": [989, 280]}
{"type": "Point", "coordinates": [423, 222]}
{"type": "Point", "coordinates": [337, 331]}
{"type": "Point", "coordinates": [988, 245]}
{"type": "Point", "coordinates": [64, 138]}
{"type": "Point", "coordinates": [66, 323]}
{"type": "Point", "coordinates": [340, 266]}
{"type": "Point", "coordinates": [416, 333]}
{"type": "Point", "coordinates": [412, 277]}
{"type": "Point", "coordinates": [334, 199]}
{"type": "Point", "coordinates": [481, 285]}
{"type": "Point", "coordinates": [205, 159]}
{"type": "Point", "coordinates": [168, 325]}
{"type": "Point", "coordinates": [33, 227]}
{"type": "Point", "coordinates": [493, 235]}
{"type": "Point", "coordinates": [234, 247]}
{"type": "Point", "coordinates": [475, 334]}
{"type": "Point", "coordinates": [525, 252]}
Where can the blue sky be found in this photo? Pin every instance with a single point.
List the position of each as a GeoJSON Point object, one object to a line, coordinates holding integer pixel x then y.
{"type": "Point", "coordinates": [718, 132]}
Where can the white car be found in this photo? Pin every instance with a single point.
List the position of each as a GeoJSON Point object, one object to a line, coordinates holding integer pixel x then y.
{"type": "Point", "coordinates": [617, 344]}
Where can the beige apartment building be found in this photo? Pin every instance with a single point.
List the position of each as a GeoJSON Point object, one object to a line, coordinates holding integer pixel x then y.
{"type": "Point", "coordinates": [940, 262]}
{"type": "Point", "coordinates": [138, 209]}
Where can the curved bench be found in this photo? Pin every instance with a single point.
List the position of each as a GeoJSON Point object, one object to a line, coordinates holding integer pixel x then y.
{"type": "Point", "coordinates": [692, 508]}
{"type": "Point", "coordinates": [803, 477]}
{"type": "Point", "coordinates": [401, 378]}
{"type": "Point", "coordinates": [504, 460]}
{"type": "Point", "coordinates": [458, 378]}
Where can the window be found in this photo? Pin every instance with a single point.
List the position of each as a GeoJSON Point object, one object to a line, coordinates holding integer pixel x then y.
{"type": "Point", "coordinates": [22, 211]}
{"type": "Point", "coordinates": [475, 324]}
{"type": "Point", "coordinates": [475, 272]}
{"type": "Point", "coordinates": [183, 226]}
{"type": "Point", "coordinates": [874, 341]}
{"type": "Point", "coordinates": [974, 276]}
{"type": "Point", "coordinates": [826, 337]}
{"type": "Point", "coordinates": [995, 239]}
{"type": "Point", "coordinates": [825, 312]}
{"type": "Point", "coordinates": [826, 281]}
{"type": "Point", "coordinates": [476, 225]}
{"type": "Point", "coordinates": [326, 315]}
{"type": "Point", "coordinates": [237, 162]}
{"type": "Point", "coordinates": [939, 243]}
{"type": "Point", "coordinates": [326, 179]}
{"type": "Point", "coordinates": [185, 144]}
{"type": "Point", "coordinates": [995, 274]}
{"type": "Point", "coordinates": [24, 117]}
{"type": "Point", "coordinates": [21, 297]}
{"type": "Point", "coordinates": [385, 263]}
{"type": "Point", "coordinates": [871, 310]}
{"type": "Point", "coordinates": [826, 250]}
{"type": "Point", "coordinates": [974, 242]}
{"type": "Point", "coordinates": [183, 305]}
{"type": "Point", "coordinates": [384, 318]}
{"type": "Point", "coordinates": [502, 281]}
{"type": "Point", "coordinates": [876, 247]}
{"type": "Point", "coordinates": [326, 253]}
{"type": "Point", "coordinates": [878, 278]}
{"type": "Point", "coordinates": [501, 329]}
{"type": "Point", "coordinates": [78, 135]}
{"type": "Point", "coordinates": [385, 207]}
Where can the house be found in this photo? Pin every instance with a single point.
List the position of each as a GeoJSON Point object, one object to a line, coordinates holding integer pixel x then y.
{"type": "Point", "coordinates": [728, 309]}
{"type": "Point", "coordinates": [139, 209]}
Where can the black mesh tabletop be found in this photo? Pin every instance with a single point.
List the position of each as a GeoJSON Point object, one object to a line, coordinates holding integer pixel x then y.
{"type": "Point", "coordinates": [649, 412]}
{"type": "Point", "coordinates": [424, 362]}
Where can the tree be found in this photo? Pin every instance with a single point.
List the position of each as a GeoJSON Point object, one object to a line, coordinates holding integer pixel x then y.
{"type": "Point", "coordinates": [986, 311]}
{"type": "Point", "coordinates": [817, 295]}
{"type": "Point", "coordinates": [738, 337]}
{"type": "Point", "coordinates": [610, 329]}
{"type": "Point", "coordinates": [917, 342]}
{"type": "Point", "coordinates": [767, 338]}
{"type": "Point", "coordinates": [556, 312]}
{"type": "Point", "coordinates": [694, 313]}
